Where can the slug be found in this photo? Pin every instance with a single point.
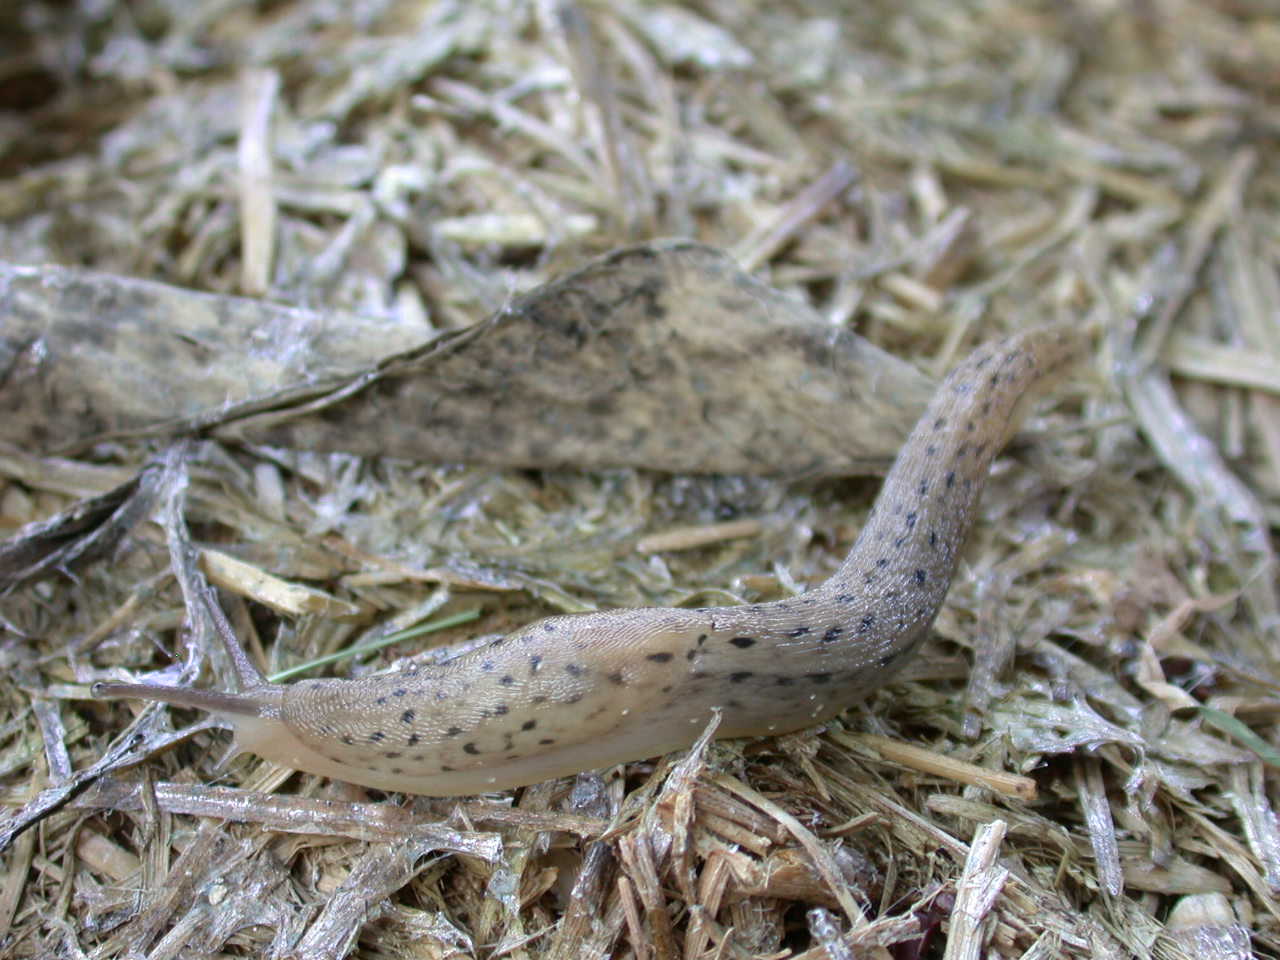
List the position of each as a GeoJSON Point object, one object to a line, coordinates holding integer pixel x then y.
{"type": "Point", "coordinates": [573, 693]}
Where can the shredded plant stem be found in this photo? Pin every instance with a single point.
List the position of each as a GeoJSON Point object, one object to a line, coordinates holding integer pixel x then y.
{"type": "Point", "coordinates": [355, 269]}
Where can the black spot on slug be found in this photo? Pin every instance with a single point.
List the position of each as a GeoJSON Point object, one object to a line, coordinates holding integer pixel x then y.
{"type": "Point", "coordinates": [617, 679]}
{"type": "Point", "coordinates": [487, 666]}
{"type": "Point", "coordinates": [501, 710]}
{"type": "Point", "coordinates": [951, 479]}
{"type": "Point", "coordinates": [546, 741]}
{"type": "Point", "coordinates": [507, 680]}
{"type": "Point", "coordinates": [867, 622]}
{"type": "Point", "coordinates": [407, 716]}
{"type": "Point", "coordinates": [346, 738]}
{"type": "Point", "coordinates": [377, 736]}
{"type": "Point", "coordinates": [413, 740]}
{"type": "Point", "coordinates": [401, 692]}
{"type": "Point", "coordinates": [921, 576]}
{"type": "Point", "coordinates": [740, 675]}
{"type": "Point", "coordinates": [818, 677]}
{"type": "Point", "coordinates": [659, 657]}
{"type": "Point", "coordinates": [574, 669]}
{"type": "Point", "coordinates": [392, 755]}
{"type": "Point", "coordinates": [832, 634]}
{"type": "Point", "coordinates": [534, 662]}
{"type": "Point", "coordinates": [742, 643]}
{"type": "Point", "coordinates": [528, 724]}
{"type": "Point", "coordinates": [798, 632]}
{"type": "Point", "coordinates": [453, 731]}
{"type": "Point", "coordinates": [471, 748]}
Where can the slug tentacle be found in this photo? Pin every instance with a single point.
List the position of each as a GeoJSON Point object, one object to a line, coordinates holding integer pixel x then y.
{"type": "Point", "coordinates": [573, 693]}
{"type": "Point", "coordinates": [251, 704]}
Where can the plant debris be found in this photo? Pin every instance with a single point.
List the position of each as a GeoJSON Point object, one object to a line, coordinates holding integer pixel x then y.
{"type": "Point", "coordinates": [574, 373]}
{"type": "Point", "coordinates": [353, 255]}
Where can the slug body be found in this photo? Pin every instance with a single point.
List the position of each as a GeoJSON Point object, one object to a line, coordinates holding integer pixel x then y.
{"type": "Point", "coordinates": [572, 693]}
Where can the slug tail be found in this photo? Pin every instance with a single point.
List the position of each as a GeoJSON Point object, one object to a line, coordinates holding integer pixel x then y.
{"type": "Point", "coordinates": [212, 701]}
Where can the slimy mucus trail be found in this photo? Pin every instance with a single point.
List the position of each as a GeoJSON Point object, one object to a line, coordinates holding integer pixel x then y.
{"type": "Point", "coordinates": [573, 693]}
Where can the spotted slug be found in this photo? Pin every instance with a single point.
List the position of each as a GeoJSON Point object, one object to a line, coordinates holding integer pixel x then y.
{"type": "Point", "coordinates": [573, 693]}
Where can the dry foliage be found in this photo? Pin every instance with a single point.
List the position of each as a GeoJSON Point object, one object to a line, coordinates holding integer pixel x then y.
{"type": "Point", "coordinates": [1084, 764]}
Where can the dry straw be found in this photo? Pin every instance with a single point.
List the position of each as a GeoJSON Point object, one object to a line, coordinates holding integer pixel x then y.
{"type": "Point", "coordinates": [1081, 764]}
